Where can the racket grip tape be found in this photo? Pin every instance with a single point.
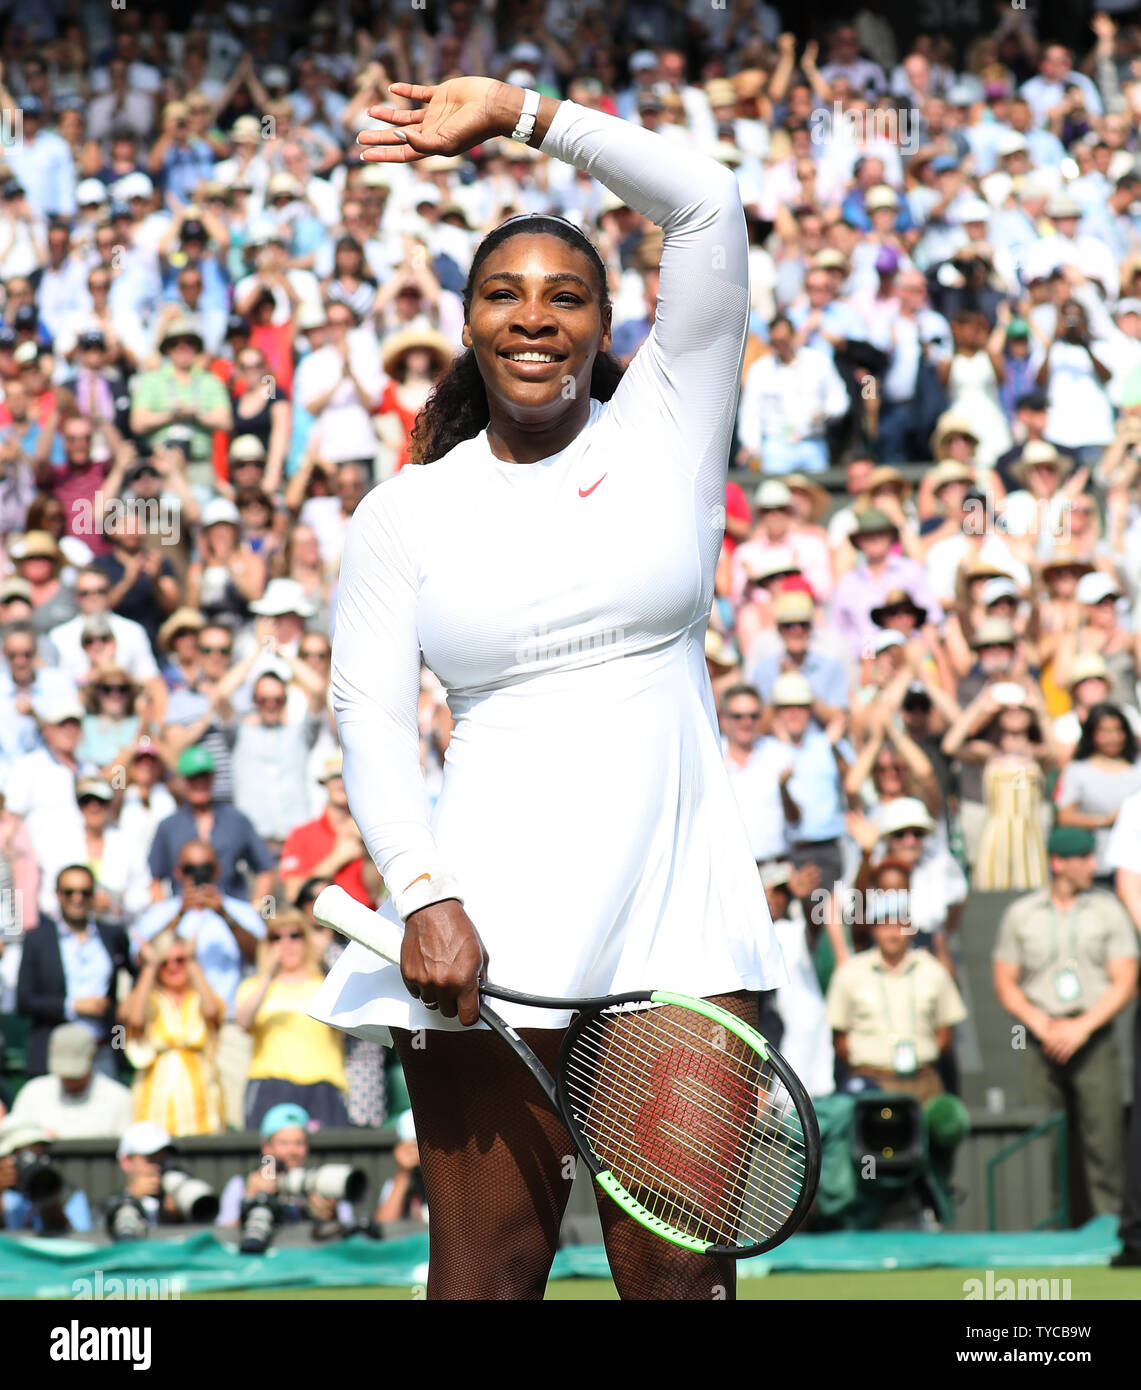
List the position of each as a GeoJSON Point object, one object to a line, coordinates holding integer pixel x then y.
{"type": "Point", "coordinates": [337, 909]}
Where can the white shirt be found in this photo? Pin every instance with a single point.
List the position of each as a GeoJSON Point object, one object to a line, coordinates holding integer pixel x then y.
{"type": "Point", "coordinates": [1080, 412]}
{"type": "Point", "coordinates": [345, 426]}
{"type": "Point", "coordinates": [42, 790]}
{"type": "Point", "coordinates": [944, 558]}
{"type": "Point", "coordinates": [102, 1111]}
{"type": "Point", "coordinates": [132, 647]}
{"type": "Point", "coordinates": [330, 524]}
{"type": "Point", "coordinates": [1124, 848]}
{"type": "Point", "coordinates": [756, 786]}
{"type": "Point", "coordinates": [789, 402]}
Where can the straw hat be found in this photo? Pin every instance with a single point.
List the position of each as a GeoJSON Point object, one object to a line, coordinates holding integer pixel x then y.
{"type": "Point", "coordinates": [886, 476]}
{"type": "Point", "coordinates": [396, 344]}
{"type": "Point", "coordinates": [819, 498]}
{"type": "Point", "coordinates": [37, 545]}
{"type": "Point", "coordinates": [1065, 557]}
{"type": "Point", "coordinates": [1037, 453]}
{"type": "Point", "coordinates": [951, 422]}
{"type": "Point", "coordinates": [181, 620]}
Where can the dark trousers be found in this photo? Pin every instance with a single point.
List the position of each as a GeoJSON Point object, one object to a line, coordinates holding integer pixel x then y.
{"type": "Point", "coordinates": [1131, 1203]}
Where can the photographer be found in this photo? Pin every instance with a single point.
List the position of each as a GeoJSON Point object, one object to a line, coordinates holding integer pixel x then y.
{"type": "Point", "coordinates": [31, 1191]}
{"type": "Point", "coordinates": [285, 1148]}
{"type": "Point", "coordinates": [1074, 379]}
{"type": "Point", "coordinates": [158, 1191]}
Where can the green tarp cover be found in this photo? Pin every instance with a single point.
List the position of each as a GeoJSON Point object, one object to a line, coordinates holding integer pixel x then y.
{"type": "Point", "coordinates": [32, 1267]}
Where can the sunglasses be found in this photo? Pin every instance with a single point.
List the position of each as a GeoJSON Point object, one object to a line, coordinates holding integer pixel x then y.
{"type": "Point", "coordinates": [270, 702]}
{"type": "Point", "coordinates": [75, 892]}
{"type": "Point", "coordinates": [287, 936]}
{"type": "Point", "coordinates": [90, 592]}
{"type": "Point", "coordinates": [176, 960]}
{"type": "Point", "coordinates": [744, 714]}
{"type": "Point", "coordinates": [96, 641]}
{"type": "Point", "coordinates": [214, 651]}
{"type": "Point", "coordinates": [91, 801]}
{"type": "Point", "coordinates": [316, 655]}
{"type": "Point", "coordinates": [907, 834]}
{"type": "Point", "coordinates": [113, 689]}
{"type": "Point", "coordinates": [795, 626]}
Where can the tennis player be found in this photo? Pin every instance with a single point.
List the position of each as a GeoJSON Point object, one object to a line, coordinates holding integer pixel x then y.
{"type": "Point", "coordinates": [554, 566]}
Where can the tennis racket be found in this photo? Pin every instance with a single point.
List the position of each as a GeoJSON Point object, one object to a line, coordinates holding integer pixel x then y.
{"type": "Point", "coordinates": [684, 1115]}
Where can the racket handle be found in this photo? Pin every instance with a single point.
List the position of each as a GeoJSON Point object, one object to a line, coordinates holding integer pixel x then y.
{"type": "Point", "coordinates": [337, 909]}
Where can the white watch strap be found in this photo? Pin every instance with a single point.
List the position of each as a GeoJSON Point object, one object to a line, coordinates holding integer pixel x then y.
{"type": "Point", "coordinates": [425, 888]}
{"type": "Point", "coordinates": [525, 126]}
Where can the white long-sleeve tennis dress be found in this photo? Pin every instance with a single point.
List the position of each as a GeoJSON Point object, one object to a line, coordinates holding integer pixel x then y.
{"type": "Point", "coordinates": [585, 812]}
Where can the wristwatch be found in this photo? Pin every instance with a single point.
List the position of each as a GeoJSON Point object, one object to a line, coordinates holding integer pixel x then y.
{"type": "Point", "coordinates": [525, 126]}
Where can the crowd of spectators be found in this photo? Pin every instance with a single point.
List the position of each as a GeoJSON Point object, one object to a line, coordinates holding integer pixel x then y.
{"type": "Point", "coordinates": [217, 326]}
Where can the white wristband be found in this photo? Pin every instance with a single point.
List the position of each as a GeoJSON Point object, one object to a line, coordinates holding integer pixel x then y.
{"type": "Point", "coordinates": [525, 126]}
{"type": "Point", "coordinates": [425, 888]}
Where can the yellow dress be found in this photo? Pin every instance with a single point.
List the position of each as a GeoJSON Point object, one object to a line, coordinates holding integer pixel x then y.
{"type": "Point", "coordinates": [1012, 849]}
{"type": "Point", "coordinates": [177, 1083]}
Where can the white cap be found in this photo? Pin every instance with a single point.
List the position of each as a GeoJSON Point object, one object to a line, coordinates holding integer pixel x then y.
{"type": "Point", "coordinates": [973, 210]}
{"type": "Point", "coordinates": [283, 596]}
{"type": "Point", "coordinates": [55, 707]}
{"type": "Point", "coordinates": [771, 494]}
{"type": "Point", "coordinates": [1010, 142]}
{"type": "Point", "coordinates": [91, 191]}
{"type": "Point", "coordinates": [220, 509]}
{"type": "Point", "coordinates": [888, 638]}
{"type": "Point", "coordinates": [994, 589]}
{"type": "Point", "coordinates": [135, 185]}
{"type": "Point", "coordinates": [791, 689]}
{"type": "Point", "coordinates": [1092, 588]}
{"type": "Point", "coordinates": [19, 1134]}
{"type": "Point", "coordinates": [143, 1137]}
{"type": "Point", "coordinates": [904, 813]}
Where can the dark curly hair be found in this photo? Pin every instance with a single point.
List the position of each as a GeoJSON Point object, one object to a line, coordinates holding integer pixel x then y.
{"type": "Point", "coordinates": [457, 408]}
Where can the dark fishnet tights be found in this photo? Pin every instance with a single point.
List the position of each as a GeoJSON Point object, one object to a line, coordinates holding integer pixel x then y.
{"type": "Point", "coordinates": [497, 1164]}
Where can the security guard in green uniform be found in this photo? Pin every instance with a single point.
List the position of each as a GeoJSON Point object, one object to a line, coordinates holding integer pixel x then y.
{"type": "Point", "coordinates": [1065, 964]}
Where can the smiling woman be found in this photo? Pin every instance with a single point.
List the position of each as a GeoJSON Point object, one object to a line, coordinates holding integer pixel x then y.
{"type": "Point", "coordinates": [571, 645]}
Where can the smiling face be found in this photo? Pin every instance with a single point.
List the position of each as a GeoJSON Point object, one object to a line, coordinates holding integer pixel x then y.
{"type": "Point", "coordinates": [535, 322]}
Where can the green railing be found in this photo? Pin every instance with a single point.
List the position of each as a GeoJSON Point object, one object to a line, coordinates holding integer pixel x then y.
{"type": "Point", "coordinates": [1060, 1217]}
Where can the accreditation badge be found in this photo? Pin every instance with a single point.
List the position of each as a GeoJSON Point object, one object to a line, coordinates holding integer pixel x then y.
{"type": "Point", "coordinates": [903, 1058]}
{"type": "Point", "coordinates": [1067, 985]}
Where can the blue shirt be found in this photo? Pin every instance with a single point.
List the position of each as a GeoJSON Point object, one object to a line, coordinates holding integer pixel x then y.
{"type": "Point", "coordinates": [825, 674]}
{"type": "Point", "coordinates": [815, 787]}
{"type": "Point", "coordinates": [88, 971]}
{"type": "Point", "coordinates": [232, 838]}
{"type": "Point", "coordinates": [22, 1215]}
{"type": "Point", "coordinates": [218, 952]}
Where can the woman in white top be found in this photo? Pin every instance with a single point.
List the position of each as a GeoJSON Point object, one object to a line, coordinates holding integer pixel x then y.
{"type": "Point", "coordinates": [555, 567]}
{"type": "Point", "coordinates": [972, 376]}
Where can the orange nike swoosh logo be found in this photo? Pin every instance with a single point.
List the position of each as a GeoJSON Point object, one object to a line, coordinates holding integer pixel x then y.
{"type": "Point", "coordinates": [590, 489]}
{"type": "Point", "coordinates": [417, 880]}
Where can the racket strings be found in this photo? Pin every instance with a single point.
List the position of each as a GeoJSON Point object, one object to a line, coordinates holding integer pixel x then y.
{"type": "Point", "coordinates": [693, 1122]}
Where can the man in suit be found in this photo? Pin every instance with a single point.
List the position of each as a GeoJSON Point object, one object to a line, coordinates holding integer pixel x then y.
{"type": "Point", "coordinates": [68, 971]}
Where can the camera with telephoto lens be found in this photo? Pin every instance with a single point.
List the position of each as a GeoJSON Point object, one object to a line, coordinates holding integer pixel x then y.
{"type": "Point", "coordinates": [36, 1178]}
{"type": "Point", "coordinates": [196, 1200]}
{"type": "Point", "coordinates": [339, 1182]}
{"type": "Point", "coordinates": [199, 874]}
{"type": "Point", "coordinates": [260, 1215]}
{"type": "Point", "coordinates": [127, 1218]}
